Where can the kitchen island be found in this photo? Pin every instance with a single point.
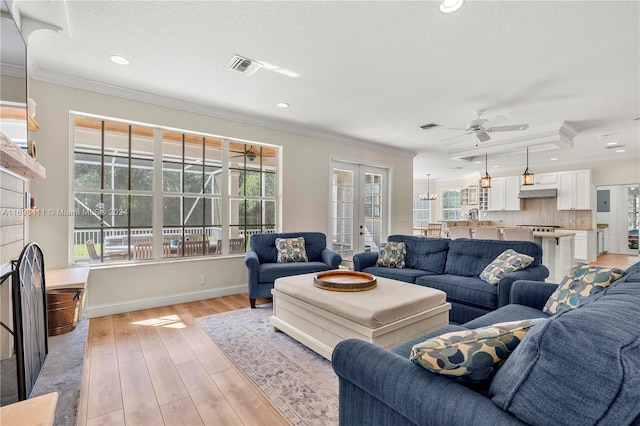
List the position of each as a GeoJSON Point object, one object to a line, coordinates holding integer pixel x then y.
{"type": "Point", "coordinates": [557, 252]}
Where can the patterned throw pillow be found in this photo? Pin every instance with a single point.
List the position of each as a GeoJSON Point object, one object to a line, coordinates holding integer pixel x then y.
{"type": "Point", "coordinates": [580, 282]}
{"type": "Point", "coordinates": [392, 254]}
{"type": "Point", "coordinates": [508, 261]}
{"type": "Point", "coordinates": [291, 250]}
{"type": "Point", "coordinates": [472, 356]}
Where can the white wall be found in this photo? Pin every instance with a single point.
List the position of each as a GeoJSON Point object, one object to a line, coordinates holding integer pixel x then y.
{"type": "Point", "coordinates": [305, 197]}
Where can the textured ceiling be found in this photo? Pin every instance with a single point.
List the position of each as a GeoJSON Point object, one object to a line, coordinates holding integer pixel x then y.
{"type": "Point", "coordinates": [373, 71]}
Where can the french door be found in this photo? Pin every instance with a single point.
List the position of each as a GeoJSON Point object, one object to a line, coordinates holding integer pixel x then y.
{"type": "Point", "coordinates": [359, 208]}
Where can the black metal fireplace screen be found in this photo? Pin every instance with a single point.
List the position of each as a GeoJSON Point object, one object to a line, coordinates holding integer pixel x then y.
{"type": "Point", "coordinates": [28, 296]}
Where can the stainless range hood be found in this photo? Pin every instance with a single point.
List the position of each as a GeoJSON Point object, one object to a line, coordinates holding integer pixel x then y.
{"type": "Point", "coordinates": [538, 193]}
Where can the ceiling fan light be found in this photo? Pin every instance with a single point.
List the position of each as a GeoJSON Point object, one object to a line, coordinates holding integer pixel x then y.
{"type": "Point", "coordinates": [448, 6]}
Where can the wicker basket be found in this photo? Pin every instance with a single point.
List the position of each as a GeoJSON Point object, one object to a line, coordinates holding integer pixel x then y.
{"type": "Point", "coordinates": [63, 307]}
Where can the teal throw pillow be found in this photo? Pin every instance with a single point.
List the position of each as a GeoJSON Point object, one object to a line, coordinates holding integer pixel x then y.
{"type": "Point", "coordinates": [291, 250]}
{"type": "Point", "coordinates": [392, 255]}
{"type": "Point", "coordinates": [508, 261]}
{"type": "Point", "coordinates": [581, 281]}
{"type": "Point", "coordinates": [472, 356]}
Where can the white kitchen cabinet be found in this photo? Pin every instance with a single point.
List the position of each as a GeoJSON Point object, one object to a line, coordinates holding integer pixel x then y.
{"type": "Point", "coordinates": [581, 240]}
{"type": "Point", "coordinates": [581, 243]}
{"type": "Point", "coordinates": [503, 194]}
{"type": "Point", "coordinates": [542, 181]}
{"type": "Point", "coordinates": [574, 190]}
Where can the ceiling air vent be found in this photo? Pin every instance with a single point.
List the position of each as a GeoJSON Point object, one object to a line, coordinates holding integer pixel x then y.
{"type": "Point", "coordinates": [616, 146]}
{"type": "Point", "coordinates": [429, 126]}
{"type": "Point", "coordinates": [244, 65]}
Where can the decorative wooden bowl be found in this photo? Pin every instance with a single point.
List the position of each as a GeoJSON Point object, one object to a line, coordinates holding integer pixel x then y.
{"type": "Point", "coordinates": [343, 280]}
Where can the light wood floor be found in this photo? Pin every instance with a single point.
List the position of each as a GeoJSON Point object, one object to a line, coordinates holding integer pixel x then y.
{"type": "Point", "coordinates": [621, 261]}
{"type": "Point", "coordinates": [156, 367]}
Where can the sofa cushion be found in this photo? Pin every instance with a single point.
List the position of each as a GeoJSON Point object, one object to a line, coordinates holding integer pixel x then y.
{"type": "Point", "coordinates": [291, 250]}
{"type": "Point", "coordinates": [468, 290]}
{"type": "Point", "coordinates": [427, 254]}
{"type": "Point", "coordinates": [508, 261]}
{"type": "Point", "coordinates": [592, 351]}
{"type": "Point", "coordinates": [400, 274]}
{"type": "Point", "coordinates": [391, 255]}
{"type": "Point", "coordinates": [471, 355]}
{"type": "Point", "coordinates": [581, 281]}
{"type": "Point", "coordinates": [269, 272]}
{"type": "Point", "coordinates": [468, 258]}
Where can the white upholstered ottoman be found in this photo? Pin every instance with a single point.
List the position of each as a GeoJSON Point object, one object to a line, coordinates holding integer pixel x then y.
{"type": "Point", "coordinates": [388, 315]}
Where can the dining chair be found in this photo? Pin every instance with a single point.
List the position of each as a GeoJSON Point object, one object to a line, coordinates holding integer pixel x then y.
{"type": "Point", "coordinates": [433, 230]}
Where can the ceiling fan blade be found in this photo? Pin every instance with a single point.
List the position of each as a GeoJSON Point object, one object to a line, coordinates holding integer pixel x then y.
{"type": "Point", "coordinates": [483, 136]}
{"type": "Point", "coordinates": [493, 121]}
{"type": "Point", "coordinates": [508, 128]}
{"type": "Point", "coordinates": [456, 136]}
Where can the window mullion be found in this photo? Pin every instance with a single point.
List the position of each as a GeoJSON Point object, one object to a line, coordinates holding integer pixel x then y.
{"type": "Point", "coordinates": [157, 218]}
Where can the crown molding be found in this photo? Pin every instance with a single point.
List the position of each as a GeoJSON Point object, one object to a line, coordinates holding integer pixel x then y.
{"type": "Point", "coordinates": [150, 98]}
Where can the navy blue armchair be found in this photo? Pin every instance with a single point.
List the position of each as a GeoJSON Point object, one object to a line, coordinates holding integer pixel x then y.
{"type": "Point", "coordinates": [263, 269]}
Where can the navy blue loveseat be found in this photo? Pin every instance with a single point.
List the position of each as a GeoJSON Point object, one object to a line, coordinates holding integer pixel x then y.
{"type": "Point", "coordinates": [263, 269]}
{"type": "Point", "coordinates": [454, 266]}
{"type": "Point", "coordinates": [581, 367]}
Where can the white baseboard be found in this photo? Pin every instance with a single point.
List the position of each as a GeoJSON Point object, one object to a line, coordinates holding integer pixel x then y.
{"type": "Point", "coordinates": [136, 305]}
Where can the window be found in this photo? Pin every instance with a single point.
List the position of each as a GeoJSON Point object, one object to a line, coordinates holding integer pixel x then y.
{"type": "Point", "coordinates": [135, 201]}
{"type": "Point", "coordinates": [451, 208]}
{"type": "Point", "coordinates": [421, 210]}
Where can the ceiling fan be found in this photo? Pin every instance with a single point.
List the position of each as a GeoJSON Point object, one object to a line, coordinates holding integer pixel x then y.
{"type": "Point", "coordinates": [251, 156]}
{"type": "Point", "coordinates": [483, 126]}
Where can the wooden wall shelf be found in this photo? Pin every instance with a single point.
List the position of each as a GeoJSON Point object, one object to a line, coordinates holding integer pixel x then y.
{"type": "Point", "coordinates": [13, 158]}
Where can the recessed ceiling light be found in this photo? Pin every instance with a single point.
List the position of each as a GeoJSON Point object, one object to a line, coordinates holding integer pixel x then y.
{"type": "Point", "coordinates": [282, 105]}
{"type": "Point", "coordinates": [612, 143]}
{"type": "Point", "coordinates": [620, 150]}
{"type": "Point", "coordinates": [496, 166]}
{"type": "Point", "coordinates": [478, 162]}
{"type": "Point", "coordinates": [120, 60]}
{"type": "Point", "coordinates": [448, 6]}
{"type": "Point", "coordinates": [553, 159]}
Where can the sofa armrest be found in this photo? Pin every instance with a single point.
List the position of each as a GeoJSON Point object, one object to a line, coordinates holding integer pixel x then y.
{"type": "Point", "coordinates": [380, 387]}
{"type": "Point", "coordinates": [532, 273]}
{"type": "Point", "coordinates": [531, 293]}
{"type": "Point", "coordinates": [331, 258]}
{"type": "Point", "coordinates": [253, 265]}
{"type": "Point", "coordinates": [364, 260]}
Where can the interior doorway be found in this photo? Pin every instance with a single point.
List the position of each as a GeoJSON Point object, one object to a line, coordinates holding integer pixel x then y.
{"type": "Point", "coordinates": [618, 208]}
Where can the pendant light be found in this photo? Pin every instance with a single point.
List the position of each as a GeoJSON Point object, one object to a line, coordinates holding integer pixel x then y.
{"type": "Point", "coordinates": [428, 196]}
{"type": "Point", "coordinates": [486, 180]}
{"type": "Point", "coordinates": [527, 176]}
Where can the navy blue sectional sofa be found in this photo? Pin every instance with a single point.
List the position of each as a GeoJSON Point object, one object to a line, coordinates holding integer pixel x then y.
{"type": "Point", "coordinates": [581, 367]}
{"type": "Point", "coordinates": [263, 268]}
{"type": "Point", "coordinates": [454, 266]}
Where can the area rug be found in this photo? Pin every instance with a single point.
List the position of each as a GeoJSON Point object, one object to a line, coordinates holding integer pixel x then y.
{"type": "Point", "coordinates": [299, 383]}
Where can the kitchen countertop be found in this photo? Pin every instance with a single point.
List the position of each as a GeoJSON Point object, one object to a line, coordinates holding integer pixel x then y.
{"type": "Point", "coordinates": [555, 234]}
